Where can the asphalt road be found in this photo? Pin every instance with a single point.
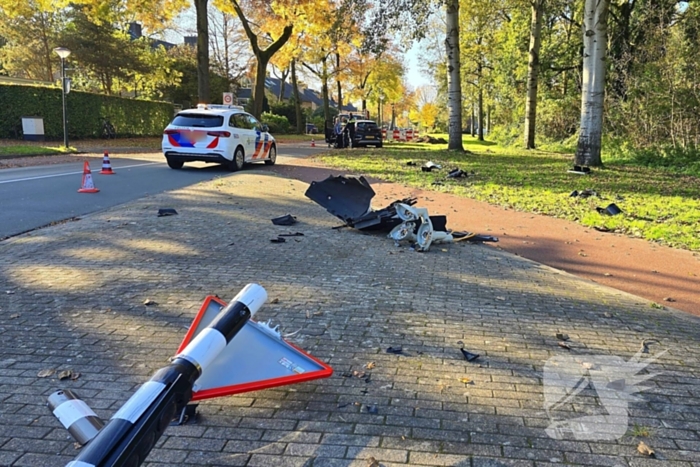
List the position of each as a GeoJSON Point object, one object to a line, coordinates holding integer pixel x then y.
{"type": "Point", "coordinates": [34, 197]}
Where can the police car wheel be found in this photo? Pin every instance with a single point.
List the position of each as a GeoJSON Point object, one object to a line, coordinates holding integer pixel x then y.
{"type": "Point", "coordinates": [272, 156]}
{"type": "Point", "coordinates": [238, 160]}
{"type": "Point", "coordinates": [173, 164]}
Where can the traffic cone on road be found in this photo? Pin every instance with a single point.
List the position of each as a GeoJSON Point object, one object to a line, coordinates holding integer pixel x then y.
{"type": "Point", "coordinates": [313, 142]}
{"type": "Point", "coordinates": [106, 165]}
{"type": "Point", "coordinates": [87, 186]}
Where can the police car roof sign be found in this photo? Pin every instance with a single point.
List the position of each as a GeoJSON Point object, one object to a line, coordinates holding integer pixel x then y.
{"type": "Point", "coordinates": [257, 358]}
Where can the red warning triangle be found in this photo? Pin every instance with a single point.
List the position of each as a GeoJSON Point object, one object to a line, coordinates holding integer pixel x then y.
{"type": "Point", "coordinates": [257, 358]}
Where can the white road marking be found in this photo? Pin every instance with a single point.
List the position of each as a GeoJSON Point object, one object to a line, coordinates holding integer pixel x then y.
{"type": "Point", "coordinates": [73, 173]}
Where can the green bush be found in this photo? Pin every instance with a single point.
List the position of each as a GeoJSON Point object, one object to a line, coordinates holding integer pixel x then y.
{"type": "Point", "coordinates": [278, 123]}
{"type": "Point", "coordinates": [130, 117]}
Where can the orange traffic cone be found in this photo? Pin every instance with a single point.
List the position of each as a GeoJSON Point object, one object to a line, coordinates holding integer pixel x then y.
{"type": "Point", "coordinates": [87, 186]}
{"type": "Point", "coordinates": [106, 165]}
{"type": "Point", "coordinates": [313, 142]}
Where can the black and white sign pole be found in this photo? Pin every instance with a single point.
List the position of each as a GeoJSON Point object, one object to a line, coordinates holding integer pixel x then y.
{"type": "Point", "coordinates": [132, 432]}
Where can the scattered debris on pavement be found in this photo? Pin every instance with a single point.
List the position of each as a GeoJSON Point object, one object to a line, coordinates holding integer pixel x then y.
{"type": "Point", "coordinates": [287, 219]}
{"type": "Point", "coordinates": [370, 365]}
{"type": "Point", "coordinates": [349, 198]}
{"type": "Point", "coordinates": [610, 210]}
{"type": "Point", "coordinates": [564, 345]}
{"type": "Point", "coordinates": [167, 212]}
{"type": "Point", "coordinates": [646, 450]}
{"type": "Point", "coordinates": [646, 343]}
{"type": "Point", "coordinates": [466, 381]}
{"type": "Point", "coordinates": [395, 349]}
{"type": "Point", "coordinates": [278, 240]}
{"type": "Point", "coordinates": [372, 462]}
{"type": "Point", "coordinates": [473, 237]}
{"type": "Point", "coordinates": [291, 234]}
{"type": "Point", "coordinates": [372, 409]}
{"type": "Point", "coordinates": [149, 302]}
{"type": "Point", "coordinates": [562, 337]}
{"type": "Point", "coordinates": [468, 356]}
{"type": "Point", "coordinates": [187, 416]}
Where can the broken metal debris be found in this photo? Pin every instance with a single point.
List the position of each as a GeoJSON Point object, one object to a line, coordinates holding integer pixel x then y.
{"type": "Point", "coordinates": [583, 194]}
{"type": "Point", "coordinates": [473, 237]}
{"type": "Point", "coordinates": [187, 415]}
{"type": "Point", "coordinates": [579, 170]}
{"type": "Point", "coordinates": [430, 166]}
{"type": "Point", "coordinates": [411, 163]}
{"type": "Point", "coordinates": [287, 219]}
{"type": "Point", "coordinates": [167, 212]}
{"type": "Point", "coordinates": [610, 210]}
{"type": "Point", "coordinates": [349, 198]}
{"type": "Point", "coordinates": [457, 173]}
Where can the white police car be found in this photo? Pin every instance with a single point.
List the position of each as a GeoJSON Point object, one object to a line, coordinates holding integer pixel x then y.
{"type": "Point", "coordinates": [223, 134]}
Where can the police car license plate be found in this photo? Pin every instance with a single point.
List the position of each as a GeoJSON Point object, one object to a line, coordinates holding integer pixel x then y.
{"type": "Point", "coordinates": [370, 137]}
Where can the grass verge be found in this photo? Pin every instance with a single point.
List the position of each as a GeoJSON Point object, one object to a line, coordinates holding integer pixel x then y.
{"type": "Point", "coordinates": [31, 150]}
{"type": "Point", "coordinates": [658, 205]}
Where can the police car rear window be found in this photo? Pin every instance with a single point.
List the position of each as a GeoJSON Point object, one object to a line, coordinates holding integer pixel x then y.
{"type": "Point", "coordinates": [198, 120]}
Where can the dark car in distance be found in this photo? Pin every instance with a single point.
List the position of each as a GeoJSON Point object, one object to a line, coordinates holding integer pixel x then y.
{"type": "Point", "coordinates": [367, 133]}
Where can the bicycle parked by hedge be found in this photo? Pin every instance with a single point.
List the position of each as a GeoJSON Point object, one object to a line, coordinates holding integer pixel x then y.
{"type": "Point", "coordinates": [108, 130]}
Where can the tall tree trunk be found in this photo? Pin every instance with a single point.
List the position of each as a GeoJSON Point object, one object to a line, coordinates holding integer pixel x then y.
{"type": "Point", "coordinates": [202, 51]}
{"type": "Point", "coordinates": [481, 110]}
{"type": "Point", "coordinates": [340, 86]}
{"type": "Point", "coordinates": [595, 41]}
{"type": "Point", "coordinates": [533, 64]}
{"type": "Point", "coordinates": [297, 99]}
{"type": "Point", "coordinates": [324, 89]}
{"type": "Point", "coordinates": [454, 83]}
{"type": "Point", "coordinates": [472, 127]}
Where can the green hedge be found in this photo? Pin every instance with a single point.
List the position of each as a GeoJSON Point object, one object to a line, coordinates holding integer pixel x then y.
{"type": "Point", "coordinates": [130, 117]}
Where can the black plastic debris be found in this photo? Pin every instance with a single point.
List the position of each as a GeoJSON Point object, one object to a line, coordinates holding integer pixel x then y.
{"type": "Point", "coordinates": [187, 415]}
{"type": "Point", "coordinates": [372, 409]}
{"type": "Point", "coordinates": [411, 163]}
{"type": "Point", "coordinates": [285, 220]}
{"type": "Point", "coordinates": [646, 343]}
{"type": "Point", "coordinates": [573, 194]}
{"type": "Point", "coordinates": [291, 234]}
{"type": "Point", "coordinates": [349, 198]}
{"type": "Point", "coordinates": [278, 240]}
{"type": "Point", "coordinates": [601, 228]}
{"type": "Point", "coordinates": [457, 173]}
{"type": "Point", "coordinates": [610, 210]}
{"type": "Point", "coordinates": [397, 349]}
{"type": "Point", "coordinates": [468, 356]}
{"type": "Point", "coordinates": [579, 170]}
{"type": "Point", "coordinates": [167, 212]}
{"type": "Point", "coordinates": [562, 337]}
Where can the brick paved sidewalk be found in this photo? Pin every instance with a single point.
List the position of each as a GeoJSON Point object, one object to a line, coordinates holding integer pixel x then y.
{"type": "Point", "coordinates": [75, 301]}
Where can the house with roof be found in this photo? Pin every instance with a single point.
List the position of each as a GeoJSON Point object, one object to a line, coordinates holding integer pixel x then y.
{"type": "Point", "coordinates": [309, 98]}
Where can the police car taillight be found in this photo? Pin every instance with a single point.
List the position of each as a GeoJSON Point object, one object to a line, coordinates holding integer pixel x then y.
{"type": "Point", "coordinates": [170, 132]}
{"type": "Point", "coordinates": [223, 134]}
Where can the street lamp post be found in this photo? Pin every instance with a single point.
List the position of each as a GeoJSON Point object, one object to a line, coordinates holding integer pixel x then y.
{"type": "Point", "coordinates": [63, 53]}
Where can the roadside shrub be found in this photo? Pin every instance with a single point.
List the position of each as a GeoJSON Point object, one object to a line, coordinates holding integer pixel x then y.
{"type": "Point", "coordinates": [278, 123]}
{"type": "Point", "coordinates": [130, 117]}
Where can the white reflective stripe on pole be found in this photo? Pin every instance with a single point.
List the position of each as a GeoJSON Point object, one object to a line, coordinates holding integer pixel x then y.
{"type": "Point", "coordinates": [204, 348]}
{"type": "Point", "coordinates": [71, 411]}
{"type": "Point", "coordinates": [140, 401]}
{"type": "Point", "coordinates": [79, 464]}
{"type": "Point", "coordinates": [253, 296]}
